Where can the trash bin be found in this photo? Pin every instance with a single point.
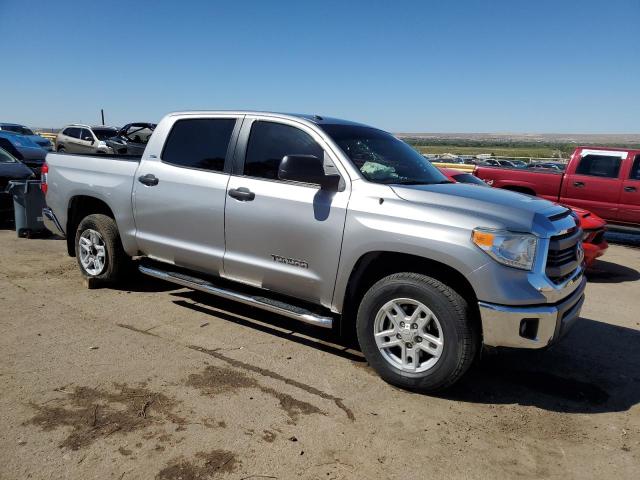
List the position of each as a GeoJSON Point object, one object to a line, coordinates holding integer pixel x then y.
{"type": "Point", "coordinates": [28, 202]}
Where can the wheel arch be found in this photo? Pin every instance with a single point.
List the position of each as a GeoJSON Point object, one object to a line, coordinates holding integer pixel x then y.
{"type": "Point", "coordinates": [79, 207]}
{"type": "Point", "coordinates": [373, 266]}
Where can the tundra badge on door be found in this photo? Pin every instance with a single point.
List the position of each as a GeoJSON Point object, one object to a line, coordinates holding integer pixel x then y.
{"type": "Point", "coordinates": [290, 261]}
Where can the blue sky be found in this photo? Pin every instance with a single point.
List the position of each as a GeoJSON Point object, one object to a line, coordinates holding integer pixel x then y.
{"type": "Point", "coordinates": [405, 66]}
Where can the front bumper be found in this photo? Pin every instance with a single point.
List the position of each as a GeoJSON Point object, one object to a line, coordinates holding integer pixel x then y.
{"type": "Point", "coordinates": [593, 251]}
{"type": "Point", "coordinates": [51, 222]}
{"type": "Point", "coordinates": [530, 326]}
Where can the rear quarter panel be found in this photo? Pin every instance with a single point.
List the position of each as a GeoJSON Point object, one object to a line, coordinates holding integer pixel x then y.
{"type": "Point", "coordinates": [109, 179]}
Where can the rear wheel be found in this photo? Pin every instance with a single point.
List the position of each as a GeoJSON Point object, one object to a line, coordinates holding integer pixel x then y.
{"type": "Point", "coordinates": [99, 251]}
{"type": "Point", "coordinates": [417, 332]}
{"type": "Point", "coordinates": [60, 150]}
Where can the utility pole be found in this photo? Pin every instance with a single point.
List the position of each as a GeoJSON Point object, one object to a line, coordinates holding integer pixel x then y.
{"type": "Point", "coordinates": [102, 113]}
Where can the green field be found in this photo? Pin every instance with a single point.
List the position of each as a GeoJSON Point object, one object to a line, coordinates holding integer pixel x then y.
{"type": "Point", "coordinates": [499, 151]}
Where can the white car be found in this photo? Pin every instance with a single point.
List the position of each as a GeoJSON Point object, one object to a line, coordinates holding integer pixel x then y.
{"type": "Point", "coordinates": [77, 138]}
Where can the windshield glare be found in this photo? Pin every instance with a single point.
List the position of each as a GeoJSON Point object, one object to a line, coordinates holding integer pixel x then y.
{"type": "Point", "coordinates": [381, 157]}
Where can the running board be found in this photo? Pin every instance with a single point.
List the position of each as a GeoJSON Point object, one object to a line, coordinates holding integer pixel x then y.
{"type": "Point", "coordinates": [268, 304]}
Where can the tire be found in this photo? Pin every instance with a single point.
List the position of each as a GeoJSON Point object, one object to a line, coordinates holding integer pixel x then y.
{"type": "Point", "coordinates": [60, 150]}
{"type": "Point", "coordinates": [453, 338]}
{"type": "Point", "coordinates": [101, 231]}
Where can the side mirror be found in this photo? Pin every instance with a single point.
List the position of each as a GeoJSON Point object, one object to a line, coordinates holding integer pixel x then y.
{"type": "Point", "coordinates": [88, 139]}
{"type": "Point", "coordinates": [307, 169]}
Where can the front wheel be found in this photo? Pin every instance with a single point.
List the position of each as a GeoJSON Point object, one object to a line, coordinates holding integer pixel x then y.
{"type": "Point", "coordinates": [99, 251]}
{"type": "Point", "coordinates": [417, 332]}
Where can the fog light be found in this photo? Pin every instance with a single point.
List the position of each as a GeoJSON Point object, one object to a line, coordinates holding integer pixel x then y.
{"type": "Point", "coordinates": [529, 328]}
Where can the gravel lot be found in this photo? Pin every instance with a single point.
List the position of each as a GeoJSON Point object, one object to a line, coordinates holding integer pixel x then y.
{"type": "Point", "coordinates": [149, 381]}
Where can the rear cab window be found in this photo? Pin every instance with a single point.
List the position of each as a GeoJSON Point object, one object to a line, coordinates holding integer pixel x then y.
{"type": "Point", "coordinates": [200, 143]}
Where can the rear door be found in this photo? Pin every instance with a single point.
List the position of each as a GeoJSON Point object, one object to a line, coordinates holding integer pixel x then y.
{"type": "Point", "coordinates": [284, 236]}
{"type": "Point", "coordinates": [593, 182]}
{"type": "Point", "coordinates": [179, 197]}
{"type": "Point", "coordinates": [630, 195]}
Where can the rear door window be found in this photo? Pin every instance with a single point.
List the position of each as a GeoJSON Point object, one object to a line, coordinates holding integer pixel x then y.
{"type": "Point", "coordinates": [72, 132]}
{"type": "Point", "coordinates": [599, 166]}
{"type": "Point", "coordinates": [270, 142]}
{"type": "Point", "coordinates": [199, 143]}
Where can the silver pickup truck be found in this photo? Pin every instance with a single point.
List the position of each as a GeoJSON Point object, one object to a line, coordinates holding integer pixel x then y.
{"type": "Point", "coordinates": [331, 223]}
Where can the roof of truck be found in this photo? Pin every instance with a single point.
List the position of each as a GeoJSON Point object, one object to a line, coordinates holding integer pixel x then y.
{"type": "Point", "coordinates": [313, 118]}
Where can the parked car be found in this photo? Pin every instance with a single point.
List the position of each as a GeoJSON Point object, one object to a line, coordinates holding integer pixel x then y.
{"type": "Point", "coordinates": [490, 162]}
{"type": "Point", "coordinates": [331, 223]}
{"type": "Point", "coordinates": [27, 132]}
{"type": "Point", "coordinates": [602, 180]}
{"type": "Point", "coordinates": [10, 169]}
{"type": "Point", "coordinates": [518, 163]}
{"type": "Point", "coordinates": [131, 139]}
{"type": "Point", "coordinates": [548, 166]}
{"type": "Point", "coordinates": [84, 139]}
{"type": "Point", "coordinates": [24, 149]}
{"type": "Point", "coordinates": [593, 226]}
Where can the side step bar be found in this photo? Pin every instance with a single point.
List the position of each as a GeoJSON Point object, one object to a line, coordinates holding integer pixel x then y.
{"type": "Point", "coordinates": [271, 305]}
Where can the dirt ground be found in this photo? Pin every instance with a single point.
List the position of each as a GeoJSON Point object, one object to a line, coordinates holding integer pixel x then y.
{"type": "Point", "coordinates": [150, 381]}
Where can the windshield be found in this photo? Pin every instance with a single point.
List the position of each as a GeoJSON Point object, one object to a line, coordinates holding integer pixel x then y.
{"type": "Point", "coordinates": [19, 129]}
{"type": "Point", "coordinates": [381, 157]}
{"type": "Point", "coordinates": [104, 133]}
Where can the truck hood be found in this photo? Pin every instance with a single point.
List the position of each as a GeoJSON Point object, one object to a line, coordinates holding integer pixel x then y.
{"type": "Point", "coordinates": [489, 207]}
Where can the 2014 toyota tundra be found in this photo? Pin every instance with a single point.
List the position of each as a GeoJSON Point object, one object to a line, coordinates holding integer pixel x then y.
{"type": "Point", "coordinates": [327, 222]}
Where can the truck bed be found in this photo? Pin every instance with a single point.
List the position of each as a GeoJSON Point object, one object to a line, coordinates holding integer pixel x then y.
{"type": "Point", "coordinates": [543, 183]}
{"type": "Point", "coordinates": [104, 177]}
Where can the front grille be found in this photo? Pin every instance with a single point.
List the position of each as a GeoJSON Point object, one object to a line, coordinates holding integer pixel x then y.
{"type": "Point", "coordinates": [563, 258]}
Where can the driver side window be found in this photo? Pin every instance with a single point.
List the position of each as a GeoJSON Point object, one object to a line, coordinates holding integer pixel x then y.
{"type": "Point", "coordinates": [86, 135]}
{"type": "Point", "coordinates": [269, 142]}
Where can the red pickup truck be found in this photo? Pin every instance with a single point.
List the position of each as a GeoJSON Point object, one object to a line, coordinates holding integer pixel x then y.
{"type": "Point", "coordinates": [604, 180]}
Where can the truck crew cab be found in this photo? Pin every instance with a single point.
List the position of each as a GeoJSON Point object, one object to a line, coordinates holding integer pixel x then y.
{"type": "Point", "coordinates": [328, 222]}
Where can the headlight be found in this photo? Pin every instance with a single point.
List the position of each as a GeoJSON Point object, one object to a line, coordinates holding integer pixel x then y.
{"type": "Point", "coordinates": [513, 249]}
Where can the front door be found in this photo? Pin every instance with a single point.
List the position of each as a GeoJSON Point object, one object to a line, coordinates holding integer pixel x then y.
{"type": "Point", "coordinates": [282, 236]}
{"type": "Point", "coordinates": [594, 183]}
{"type": "Point", "coordinates": [86, 142]}
{"type": "Point", "coordinates": [179, 198]}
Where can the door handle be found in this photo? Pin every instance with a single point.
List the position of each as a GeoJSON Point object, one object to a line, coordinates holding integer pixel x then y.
{"type": "Point", "coordinates": [243, 194]}
{"type": "Point", "coordinates": [630, 189]}
{"type": "Point", "coordinates": [149, 179]}
{"type": "Point", "coordinates": [578, 184]}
